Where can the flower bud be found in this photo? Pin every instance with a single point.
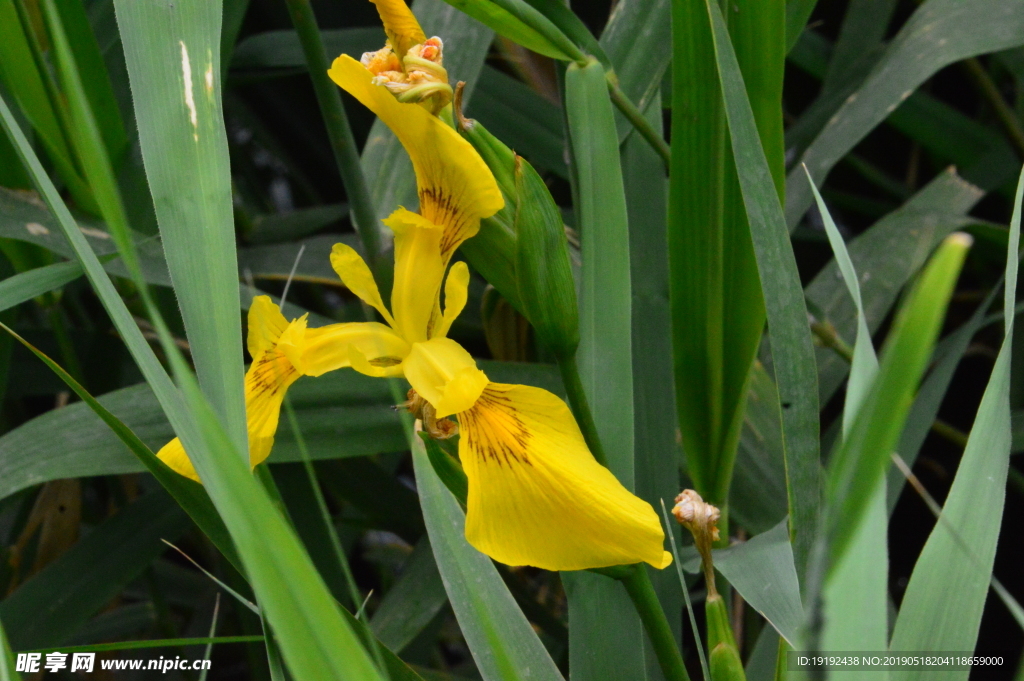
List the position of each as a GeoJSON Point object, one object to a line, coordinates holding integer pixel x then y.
{"type": "Point", "coordinates": [543, 271]}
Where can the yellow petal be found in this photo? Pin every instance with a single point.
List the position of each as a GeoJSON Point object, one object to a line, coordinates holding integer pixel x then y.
{"type": "Point", "coordinates": [456, 188]}
{"type": "Point", "coordinates": [419, 269]}
{"type": "Point", "coordinates": [173, 454]}
{"type": "Point", "coordinates": [379, 350]}
{"type": "Point", "coordinates": [456, 292]}
{"type": "Point", "coordinates": [445, 375]}
{"type": "Point", "coordinates": [266, 382]}
{"type": "Point", "coordinates": [356, 275]}
{"type": "Point", "coordinates": [400, 25]}
{"type": "Point", "coordinates": [266, 324]}
{"type": "Point", "coordinates": [292, 343]}
{"type": "Point", "coordinates": [536, 494]}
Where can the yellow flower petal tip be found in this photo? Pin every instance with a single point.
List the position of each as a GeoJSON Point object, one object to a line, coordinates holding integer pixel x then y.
{"type": "Point", "coordinates": [456, 188]}
{"type": "Point", "coordinates": [266, 324]}
{"type": "Point", "coordinates": [400, 25]}
{"type": "Point", "coordinates": [173, 454]}
{"type": "Point", "coordinates": [537, 496]}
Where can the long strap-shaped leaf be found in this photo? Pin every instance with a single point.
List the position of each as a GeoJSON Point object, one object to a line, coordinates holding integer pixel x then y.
{"type": "Point", "coordinates": [316, 641]}
{"type": "Point", "coordinates": [605, 636]}
{"type": "Point", "coordinates": [856, 596]}
{"type": "Point", "coordinates": [939, 33]}
{"type": "Point", "coordinates": [792, 352]}
{"type": "Point", "coordinates": [7, 664]}
{"type": "Point", "coordinates": [504, 645]}
{"type": "Point", "coordinates": [973, 509]}
{"type": "Point", "coordinates": [172, 51]}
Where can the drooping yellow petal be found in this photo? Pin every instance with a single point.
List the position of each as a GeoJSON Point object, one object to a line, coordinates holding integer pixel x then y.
{"type": "Point", "coordinates": [536, 494]}
{"type": "Point", "coordinates": [266, 382]}
{"type": "Point", "coordinates": [356, 275]}
{"type": "Point", "coordinates": [419, 269]}
{"type": "Point", "coordinates": [173, 454]}
{"type": "Point", "coordinates": [445, 375]}
{"type": "Point", "coordinates": [266, 324]}
{"type": "Point", "coordinates": [456, 188]}
{"type": "Point", "coordinates": [400, 25]}
{"type": "Point", "coordinates": [456, 292]}
{"type": "Point", "coordinates": [368, 347]}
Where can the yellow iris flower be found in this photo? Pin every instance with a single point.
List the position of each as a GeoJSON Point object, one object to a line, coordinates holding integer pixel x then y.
{"type": "Point", "coordinates": [536, 496]}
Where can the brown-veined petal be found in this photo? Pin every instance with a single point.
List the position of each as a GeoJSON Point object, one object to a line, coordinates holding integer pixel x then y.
{"type": "Point", "coordinates": [538, 497]}
{"type": "Point", "coordinates": [456, 188]}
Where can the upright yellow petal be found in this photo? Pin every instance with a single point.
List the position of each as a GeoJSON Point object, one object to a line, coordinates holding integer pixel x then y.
{"type": "Point", "coordinates": [356, 275]}
{"type": "Point", "coordinates": [536, 494]}
{"type": "Point", "coordinates": [173, 454]}
{"type": "Point", "coordinates": [266, 382]}
{"type": "Point", "coordinates": [456, 188]}
{"type": "Point", "coordinates": [266, 324]}
{"type": "Point", "coordinates": [456, 292]}
{"type": "Point", "coordinates": [419, 269]}
{"type": "Point", "coordinates": [445, 375]}
{"type": "Point", "coordinates": [378, 350]}
{"type": "Point", "coordinates": [400, 25]}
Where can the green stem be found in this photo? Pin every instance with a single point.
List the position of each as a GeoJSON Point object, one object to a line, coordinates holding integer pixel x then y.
{"type": "Point", "coordinates": [343, 144]}
{"type": "Point", "coordinates": [990, 91]}
{"type": "Point", "coordinates": [641, 591]}
{"type": "Point", "coordinates": [634, 115]}
{"type": "Point", "coordinates": [580, 406]}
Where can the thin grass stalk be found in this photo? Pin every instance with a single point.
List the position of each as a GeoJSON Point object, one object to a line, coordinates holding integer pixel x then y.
{"type": "Point", "coordinates": [343, 143]}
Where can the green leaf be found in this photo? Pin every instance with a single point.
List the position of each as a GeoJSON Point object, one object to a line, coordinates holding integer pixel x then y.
{"type": "Point", "coordinates": [887, 255]}
{"type": "Point", "coordinates": [861, 460]}
{"type": "Point", "coordinates": [957, 559]}
{"type": "Point", "coordinates": [27, 285]}
{"type": "Point", "coordinates": [635, 40]}
{"type": "Point", "coordinates": [797, 14]}
{"type": "Point", "coordinates": [412, 602]}
{"type": "Point", "coordinates": [657, 454]}
{"type": "Point", "coordinates": [606, 640]}
{"type": "Point", "coordinates": [521, 118]}
{"type": "Point", "coordinates": [25, 218]}
{"type": "Point", "coordinates": [502, 642]}
{"type": "Point", "coordinates": [792, 353]}
{"type": "Point", "coordinates": [940, 32]}
{"type": "Point", "coordinates": [268, 229]}
{"type": "Point", "coordinates": [173, 57]}
{"type": "Point", "coordinates": [282, 49]}
{"type": "Point", "coordinates": [856, 596]}
{"type": "Point", "coordinates": [52, 605]}
{"type": "Point", "coordinates": [7, 664]}
{"type": "Point", "coordinates": [762, 570]}
{"type": "Point", "coordinates": [153, 643]}
{"type": "Point", "coordinates": [717, 306]}
{"type": "Point", "coordinates": [520, 23]}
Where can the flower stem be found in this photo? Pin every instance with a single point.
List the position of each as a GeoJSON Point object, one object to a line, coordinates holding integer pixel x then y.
{"type": "Point", "coordinates": [343, 144]}
{"type": "Point", "coordinates": [636, 117]}
{"type": "Point", "coordinates": [641, 591]}
{"type": "Point", "coordinates": [580, 406]}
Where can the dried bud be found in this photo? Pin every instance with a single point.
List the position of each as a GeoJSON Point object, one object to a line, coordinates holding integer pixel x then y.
{"type": "Point", "coordinates": [701, 519]}
{"type": "Point", "coordinates": [437, 429]}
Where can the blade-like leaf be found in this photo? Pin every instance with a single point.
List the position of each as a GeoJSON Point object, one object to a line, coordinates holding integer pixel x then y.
{"type": "Point", "coordinates": [27, 285]}
{"type": "Point", "coordinates": [856, 595]}
{"type": "Point", "coordinates": [502, 642]}
{"type": "Point", "coordinates": [60, 598]}
{"type": "Point", "coordinates": [973, 509]}
{"type": "Point", "coordinates": [173, 58]}
{"type": "Point", "coordinates": [939, 33]}
{"type": "Point", "coordinates": [792, 352]}
{"type": "Point", "coordinates": [605, 637]}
